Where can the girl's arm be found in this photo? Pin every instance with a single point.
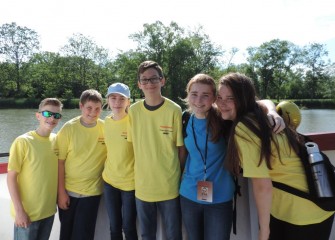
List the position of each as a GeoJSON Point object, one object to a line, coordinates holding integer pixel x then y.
{"type": "Point", "coordinates": [275, 119]}
{"type": "Point", "coordinates": [262, 189]}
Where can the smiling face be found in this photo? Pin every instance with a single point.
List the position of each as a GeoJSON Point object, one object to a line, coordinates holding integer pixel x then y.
{"type": "Point", "coordinates": [226, 103]}
{"type": "Point", "coordinates": [152, 86]}
{"type": "Point", "coordinates": [200, 96]}
{"type": "Point", "coordinates": [118, 104]}
{"type": "Point", "coordinates": [47, 124]}
{"type": "Point", "coordinates": [90, 112]}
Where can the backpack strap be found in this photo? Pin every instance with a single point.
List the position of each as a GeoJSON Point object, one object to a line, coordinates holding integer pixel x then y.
{"type": "Point", "coordinates": [292, 190]}
{"type": "Point", "coordinates": [328, 203]}
{"type": "Point", "coordinates": [185, 117]}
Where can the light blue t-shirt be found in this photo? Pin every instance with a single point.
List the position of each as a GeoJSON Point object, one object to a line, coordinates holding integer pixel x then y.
{"type": "Point", "coordinates": [223, 184]}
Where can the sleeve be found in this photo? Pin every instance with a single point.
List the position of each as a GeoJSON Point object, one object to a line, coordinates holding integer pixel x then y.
{"type": "Point", "coordinates": [17, 155]}
{"type": "Point", "coordinates": [249, 148]}
{"type": "Point", "coordinates": [179, 128]}
{"type": "Point", "coordinates": [129, 126]}
{"type": "Point", "coordinates": [62, 142]}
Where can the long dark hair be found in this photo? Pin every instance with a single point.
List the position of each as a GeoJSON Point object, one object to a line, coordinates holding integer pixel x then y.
{"type": "Point", "coordinates": [254, 117]}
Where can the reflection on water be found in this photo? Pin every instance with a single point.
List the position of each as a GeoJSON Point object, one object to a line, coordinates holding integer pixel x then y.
{"type": "Point", "coordinates": [14, 122]}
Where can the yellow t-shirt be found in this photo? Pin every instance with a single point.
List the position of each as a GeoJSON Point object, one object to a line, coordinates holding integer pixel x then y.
{"type": "Point", "coordinates": [155, 136]}
{"type": "Point", "coordinates": [285, 206]}
{"type": "Point", "coordinates": [119, 167]}
{"type": "Point", "coordinates": [34, 159]}
{"type": "Point", "coordinates": [84, 152]}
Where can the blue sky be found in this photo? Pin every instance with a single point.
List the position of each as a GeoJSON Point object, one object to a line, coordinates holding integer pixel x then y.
{"type": "Point", "coordinates": [233, 23]}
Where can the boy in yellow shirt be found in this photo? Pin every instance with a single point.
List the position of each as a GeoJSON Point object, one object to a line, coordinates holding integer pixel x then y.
{"type": "Point", "coordinates": [155, 129]}
{"type": "Point", "coordinates": [32, 175]}
{"type": "Point", "coordinates": [82, 154]}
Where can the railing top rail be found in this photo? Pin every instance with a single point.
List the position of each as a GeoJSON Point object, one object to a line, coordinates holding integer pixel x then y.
{"type": "Point", "coordinates": [4, 154]}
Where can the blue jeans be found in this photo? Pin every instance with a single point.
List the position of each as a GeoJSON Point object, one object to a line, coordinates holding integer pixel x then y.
{"type": "Point", "coordinates": [37, 230]}
{"type": "Point", "coordinates": [121, 210]}
{"type": "Point", "coordinates": [207, 221]}
{"type": "Point", "coordinates": [78, 222]}
{"type": "Point", "coordinates": [147, 216]}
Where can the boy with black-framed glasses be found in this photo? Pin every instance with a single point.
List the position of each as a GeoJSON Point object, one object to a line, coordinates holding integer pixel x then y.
{"type": "Point", "coordinates": [155, 130]}
{"type": "Point", "coordinates": [32, 175]}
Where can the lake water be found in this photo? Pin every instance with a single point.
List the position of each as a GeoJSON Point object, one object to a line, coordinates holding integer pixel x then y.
{"type": "Point", "coordinates": [14, 122]}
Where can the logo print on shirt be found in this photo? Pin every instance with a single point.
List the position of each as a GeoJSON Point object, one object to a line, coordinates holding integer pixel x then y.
{"type": "Point", "coordinates": [165, 129]}
{"type": "Point", "coordinates": [124, 135]}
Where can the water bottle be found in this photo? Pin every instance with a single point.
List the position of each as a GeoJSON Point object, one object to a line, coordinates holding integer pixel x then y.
{"type": "Point", "coordinates": [320, 175]}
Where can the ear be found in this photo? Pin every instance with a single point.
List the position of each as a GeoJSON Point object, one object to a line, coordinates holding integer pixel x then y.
{"type": "Point", "coordinates": [139, 85]}
{"type": "Point", "coordinates": [163, 81]}
{"type": "Point", "coordinates": [38, 116]}
{"type": "Point", "coordinates": [80, 105]}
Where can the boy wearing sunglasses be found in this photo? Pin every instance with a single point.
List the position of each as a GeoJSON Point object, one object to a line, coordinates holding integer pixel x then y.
{"type": "Point", "coordinates": [82, 154]}
{"type": "Point", "coordinates": [32, 175]}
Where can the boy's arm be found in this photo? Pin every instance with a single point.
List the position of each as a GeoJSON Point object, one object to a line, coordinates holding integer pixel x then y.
{"type": "Point", "coordinates": [262, 189]}
{"type": "Point", "coordinates": [275, 119]}
{"type": "Point", "coordinates": [63, 200]}
{"type": "Point", "coordinates": [21, 217]}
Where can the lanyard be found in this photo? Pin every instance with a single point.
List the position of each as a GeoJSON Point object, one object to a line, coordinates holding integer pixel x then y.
{"type": "Point", "coordinates": [204, 159]}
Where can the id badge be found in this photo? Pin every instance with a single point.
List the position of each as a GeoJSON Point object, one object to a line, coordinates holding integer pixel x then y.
{"type": "Point", "coordinates": [205, 191]}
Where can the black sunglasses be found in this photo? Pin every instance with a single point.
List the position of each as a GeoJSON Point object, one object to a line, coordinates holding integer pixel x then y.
{"type": "Point", "coordinates": [49, 114]}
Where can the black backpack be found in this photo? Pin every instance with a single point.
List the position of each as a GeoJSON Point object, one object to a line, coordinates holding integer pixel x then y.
{"type": "Point", "coordinates": [185, 118]}
{"type": "Point", "coordinates": [326, 203]}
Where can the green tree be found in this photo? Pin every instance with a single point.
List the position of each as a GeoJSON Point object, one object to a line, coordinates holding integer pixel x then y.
{"type": "Point", "coordinates": [181, 53]}
{"type": "Point", "coordinates": [316, 77]}
{"type": "Point", "coordinates": [87, 59]}
{"type": "Point", "coordinates": [273, 61]}
{"type": "Point", "coordinates": [17, 45]}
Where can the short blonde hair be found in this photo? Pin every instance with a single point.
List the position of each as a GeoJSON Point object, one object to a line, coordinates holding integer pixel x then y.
{"type": "Point", "coordinates": [50, 101]}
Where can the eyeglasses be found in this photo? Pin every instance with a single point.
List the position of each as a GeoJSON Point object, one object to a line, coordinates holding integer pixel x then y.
{"type": "Point", "coordinates": [49, 114]}
{"type": "Point", "coordinates": [152, 80]}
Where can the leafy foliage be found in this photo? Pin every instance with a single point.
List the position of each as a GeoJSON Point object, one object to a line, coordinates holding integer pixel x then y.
{"type": "Point", "coordinates": [280, 69]}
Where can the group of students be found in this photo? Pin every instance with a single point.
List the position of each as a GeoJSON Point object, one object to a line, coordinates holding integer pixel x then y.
{"type": "Point", "coordinates": [139, 158]}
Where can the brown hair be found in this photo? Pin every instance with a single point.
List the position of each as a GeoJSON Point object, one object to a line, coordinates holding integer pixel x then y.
{"type": "Point", "coordinates": [90, 95]}
{"type": "Point", "coordinates": [214, 121]}
{"type": "Point", "coordinates": [254, 117]}
{"type": "Point", "coordinates": [50, 101]}
{"type": "Point", "coordinates": [149, 64]}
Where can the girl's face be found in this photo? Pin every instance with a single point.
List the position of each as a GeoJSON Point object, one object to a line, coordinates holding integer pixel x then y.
{"type": "Point", "coordinates": [90, 111]}
{"type": "Point", "coordinates": [118, 103]}
{"type": "Point", "coordinates": [226, 103]}
{"type": "Point", "coordinates": [200, 99]}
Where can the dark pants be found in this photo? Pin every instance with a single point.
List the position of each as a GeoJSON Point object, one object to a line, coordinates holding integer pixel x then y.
{"type": "Point", "coordinates": [207, 221]}
{"type": "Point", "coordinates": [37, 230]}
{"type": "Point", "coordinates": [121, 210]}
{"type": "Point", "coordinates": [78, 222]}
{"type": "Point", "coordinates": [170, 213]}
{"type": "Point", "coordinates": [280, 230]}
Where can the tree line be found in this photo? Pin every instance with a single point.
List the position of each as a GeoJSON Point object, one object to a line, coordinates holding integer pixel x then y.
{"type": "Point", "coordinates": [280, 68]}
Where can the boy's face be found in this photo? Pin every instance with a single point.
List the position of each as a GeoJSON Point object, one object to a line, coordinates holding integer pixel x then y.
{"type": "Point", "coordinates": [155, 83]}
{"type": "Point", "coordinates": [90, 111]}
{"type": "Point", "coordinates": [47, 119]}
